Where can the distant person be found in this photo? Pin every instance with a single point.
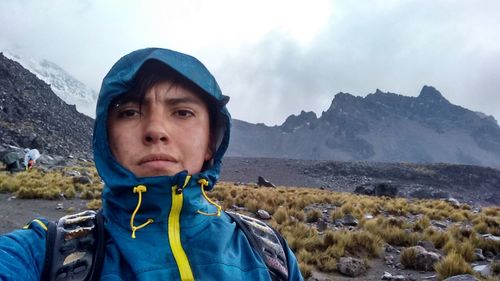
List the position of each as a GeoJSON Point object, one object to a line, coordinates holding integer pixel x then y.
{"type": "Point", "coordinates": [30, 157]}
{"type": "Point", "coordinates": [12, 161]}
{"type": "Point", "coordinates": [160, 133]}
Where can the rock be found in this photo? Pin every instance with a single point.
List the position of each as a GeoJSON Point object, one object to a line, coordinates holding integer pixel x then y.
{"type": "Point", "coordinates": [350, 220]}
{"type": "Point", "coordinates": [338, 223]}
{"type": "Point", "coordinates": [263, 182]}
{"type": "Point", "coordinates": [454, 202]}
{"type": "Point", "coordinates": [463, 277]}
{"type": "Point", "coordinates": [484, 270]}
{"type": "Point", "coordinates": [351, 266]}
{"type": "Point", "coordinates": [489, 254]}
{"type": "Point", "coordinates": [390, 249]}
{"type": "Point", "coordinates": [82, 180]}
{"type": "Point", "coordinates": [389, 259]}
{"type": "Point", "coordinates": [361, 189]}
{"type": "Point", "coordinates": [491, 237]}
{"type": "Point", "coordinates": [377, 189]}
{"type": "Point", "coordinates": [72, 173]}
{"type": "Point", "coordinates": [237, 208]}
{"type": "Point", "coordinates": [440, 224]}
{"type": "Point", "coordinates": [321, 225]}
{"type": "Point", "coordinates": [390, 277]}
{"type": "Point", "coordinates": [479, 254]}
{"type": "Point", "coordinates": [424, 260]}
{"type": "Point", "coordinates": [263, 214]}
{"type": "Point", "coordinates": [385, 189]}
{"type": "Point", "coordinates": [428, 245]}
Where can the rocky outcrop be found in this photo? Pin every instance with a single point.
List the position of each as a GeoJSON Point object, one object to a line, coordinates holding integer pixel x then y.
{"type": "Point", "coordinates": [383, 127]}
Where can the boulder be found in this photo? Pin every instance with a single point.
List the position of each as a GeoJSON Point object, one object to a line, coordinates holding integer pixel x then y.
{"type": "Point", "coordinates": [263, 182]}
{"type": "Point", "coordinates": [424, 260]}
{"type": "Point", "coordinates": [351, 266]}
{"type": "Point", "coordinates": [483, 270]}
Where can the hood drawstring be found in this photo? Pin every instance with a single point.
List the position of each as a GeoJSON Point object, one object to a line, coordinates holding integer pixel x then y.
{"type": "Point", "coordinates": [203, 183]}
{"type": "Point", "coordinates": [138, 189]}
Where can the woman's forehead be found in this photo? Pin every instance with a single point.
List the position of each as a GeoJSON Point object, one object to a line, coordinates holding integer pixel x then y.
{"type": "Point", "coordinates": [172, 93]}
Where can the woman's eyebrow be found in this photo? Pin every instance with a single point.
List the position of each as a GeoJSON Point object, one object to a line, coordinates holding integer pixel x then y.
{"type": "Point", "coordinates": [182, 100]}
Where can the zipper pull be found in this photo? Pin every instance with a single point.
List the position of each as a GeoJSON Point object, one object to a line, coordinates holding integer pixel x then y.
{"type": "Point", "coordinates": [179, 189]}
{"type": "Point", "coordinates": [182, 179]}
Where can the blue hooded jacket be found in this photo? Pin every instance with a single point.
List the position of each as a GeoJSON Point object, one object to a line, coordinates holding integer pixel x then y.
{"type": "Point", "coordinates": [160, 228]}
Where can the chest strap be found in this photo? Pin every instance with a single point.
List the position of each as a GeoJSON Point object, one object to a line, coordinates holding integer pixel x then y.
{"type": "Point", "coordinates": [75, 248]}
{"type": "Point", "coordinates": [268, 243]}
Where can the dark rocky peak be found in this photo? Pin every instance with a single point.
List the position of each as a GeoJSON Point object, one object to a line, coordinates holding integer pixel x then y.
{"type": "Point", "coordinates": [344, 101]}
{"type": "Point", "coordinates": [294, 122]}
{"type": "Point", "coordinates": [387, 98]}
{"type": "Point", "coordinates": [430, 94]}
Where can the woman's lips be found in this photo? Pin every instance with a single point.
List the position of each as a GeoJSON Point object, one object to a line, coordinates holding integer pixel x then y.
{"type": "Point", "coordinates": [157, 162]}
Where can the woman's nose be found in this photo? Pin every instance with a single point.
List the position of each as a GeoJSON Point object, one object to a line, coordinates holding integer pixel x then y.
{"type": "Point", "coordinates": [155, 130]}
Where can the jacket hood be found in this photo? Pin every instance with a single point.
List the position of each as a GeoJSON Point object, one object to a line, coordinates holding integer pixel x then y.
{"type": "Point", "coordinates": [119, 81]}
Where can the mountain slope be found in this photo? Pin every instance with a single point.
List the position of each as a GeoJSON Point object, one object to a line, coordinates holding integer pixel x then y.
{"type": "Point", "coordinates": [31, 115]}
{"type": "Point", "coordinates": [379, 127]}
{"type": "Point", "coordinates": [68, 88]}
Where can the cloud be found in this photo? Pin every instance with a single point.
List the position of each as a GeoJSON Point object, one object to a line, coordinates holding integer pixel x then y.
{"type": "Point", "coordinates": [391, 45]}
{"type": "Point", "coordinates": [277, 58]}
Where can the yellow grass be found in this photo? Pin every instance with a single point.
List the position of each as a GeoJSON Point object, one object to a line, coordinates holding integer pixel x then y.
{"type": "Point", "coordinates": [314, 250]}
{"type": "Point", "coordinates": [452, 264]}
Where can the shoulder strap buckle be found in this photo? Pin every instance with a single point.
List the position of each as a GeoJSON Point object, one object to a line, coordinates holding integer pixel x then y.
{"type": "Point", "coordinates": [75, 248]}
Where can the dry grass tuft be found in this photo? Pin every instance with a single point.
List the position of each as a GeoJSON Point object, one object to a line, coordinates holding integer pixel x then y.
{"type": "Point", "coordinates": [452, 264]}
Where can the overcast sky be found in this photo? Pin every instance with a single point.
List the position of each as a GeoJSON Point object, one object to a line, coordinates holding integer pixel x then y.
{"type": "Point", "coordinates": [278, 57]}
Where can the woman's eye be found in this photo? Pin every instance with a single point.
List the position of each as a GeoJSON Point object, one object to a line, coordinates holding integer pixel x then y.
{"type": "Point", "coordinates": [128, 113]}
{"type": "Point", "coordinates": [184, 113]}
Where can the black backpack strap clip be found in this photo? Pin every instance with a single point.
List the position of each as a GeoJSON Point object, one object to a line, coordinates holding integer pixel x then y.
{"type": "Point", "coordinates": [268, 243]}
{"type": "Point", "coordinates": [75, 248]}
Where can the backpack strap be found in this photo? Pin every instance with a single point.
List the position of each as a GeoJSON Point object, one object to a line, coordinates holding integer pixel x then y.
{"type": "Point", "coordinates": [268, 243]}
{"type": "Point", "coordinates": [75, 248]}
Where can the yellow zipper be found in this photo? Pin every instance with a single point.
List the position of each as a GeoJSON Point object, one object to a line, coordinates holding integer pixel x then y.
{"type": "Point", "coordinates": [174, 234]}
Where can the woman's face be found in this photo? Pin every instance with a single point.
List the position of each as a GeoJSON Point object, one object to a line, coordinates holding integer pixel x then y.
{"type": "Point", "coordinates": [169, 133]}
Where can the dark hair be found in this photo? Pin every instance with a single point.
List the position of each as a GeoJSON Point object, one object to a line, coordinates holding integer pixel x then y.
{"type": "Point", "coordinates": [153, 72]}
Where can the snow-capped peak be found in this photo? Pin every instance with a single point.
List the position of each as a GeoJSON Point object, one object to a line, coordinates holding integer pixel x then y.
{"type": "Point", "coordinates": [68, 88]}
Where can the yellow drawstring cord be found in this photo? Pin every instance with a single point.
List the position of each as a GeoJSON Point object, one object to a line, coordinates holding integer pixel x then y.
{"type": "Point", "coordinates": [138, 189]}
{"type": "Point", "coordinates": [203, 183]}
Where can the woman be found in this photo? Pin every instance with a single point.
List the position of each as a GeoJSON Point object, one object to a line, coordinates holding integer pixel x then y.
{"type": "Point", "coordinates": [160, 133]}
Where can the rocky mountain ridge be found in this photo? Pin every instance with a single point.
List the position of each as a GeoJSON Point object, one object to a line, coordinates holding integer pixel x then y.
{"type": "Point", "coordinates": [32, 115]}
{"type": "Point", "coordinates": [383, 127]}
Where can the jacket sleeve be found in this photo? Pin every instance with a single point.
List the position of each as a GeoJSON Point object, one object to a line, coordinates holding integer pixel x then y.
{"type": "Point", "coordinates": [22, 252]}
{"type": "Point", "coordinates": [293, 266]}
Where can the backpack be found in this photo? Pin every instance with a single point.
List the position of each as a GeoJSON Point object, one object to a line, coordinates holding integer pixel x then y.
{"type": "Point", "coordinates": [75, 246]}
